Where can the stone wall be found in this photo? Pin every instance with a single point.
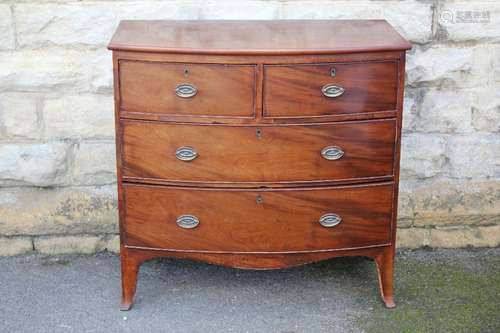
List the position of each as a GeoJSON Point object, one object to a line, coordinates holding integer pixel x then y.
{"type": "Point", "coordinates": [57, 167]}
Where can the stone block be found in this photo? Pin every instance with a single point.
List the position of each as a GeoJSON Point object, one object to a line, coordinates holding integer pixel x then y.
{"type": "Point", "coordinates": [88, 23]}
{"type": "Point", "coordinates": [444, 111]}
{"type": "Point", "coordinates": [7, 37]}
{"type": "Point", "coordinates": [19, 115]}
{"type": "Point", "coordinates": [79, 116]}
{"type": "Point", "coordinates": [456, 203]}
{"type": "Point", "coordinates": [44, 70]}
{"type": "Point", "coordinates": [239, 10]}
{"type": "Point", "coordinates": [112, 244]}
{"type": "Point", "coordinates": [469, 21]}
{"type": "Point", "coordinates": [439, 65]}
{"type": "Point", "coordinates": [486, 58]}
{"type": "Point", "coordinates": [94, 163]}
{"type": "Point", "coordinates": [38, 164]}
{"type": "Point", "coordinates": [406, 204]}
{"type": "Point", "coordinates": [15, 246]}
{"type": "Point", "coordinates": [68, 244]}
{"type": "Point", "coordinates": [488, 236]}
{"type": "Point", "coordinates": [101, 73]}
{"type": "Point", "coordinates": [58, 211]}
{"type": "Point", "coordinates": [474, 156]}
{"type": "Point", "coordinates": [422, 155]}
{"type": "Point", "coordinates": [411, 102]}
{"type": "Point", "coordinates": [486, 109]}
{"type": "Point", "coordinates": [412, 238]}
{"type": "Point", "coordinates": [413, 19]}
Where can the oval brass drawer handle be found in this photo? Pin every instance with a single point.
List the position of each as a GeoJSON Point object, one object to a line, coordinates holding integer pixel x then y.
{"type": "Point", "coordinates": [187, 221]}
{"type": "Point", "coordinates": [332, 91]}
{"type": "Point", "coordinates": [186, 154]}
{"type": "Point", "coordinates": [185, 90]}
{"type": "Point", "coordinates": [330, 220]}
{"type": "Point", "coordinates": [332, 153]}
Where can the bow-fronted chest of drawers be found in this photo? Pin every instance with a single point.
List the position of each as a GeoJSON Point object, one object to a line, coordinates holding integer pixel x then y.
{"type": "Point", "coordinates": [258, 144]}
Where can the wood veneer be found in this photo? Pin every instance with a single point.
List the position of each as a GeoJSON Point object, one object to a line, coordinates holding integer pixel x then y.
{"type": "Point", "coordinates": [370, 86]}
{"type": "Point", "coordinates": [262, 221]}
{"type": "Point", "coordinates": [259, 186]}
{"type": "Point", "coordinates": [145, 86]}
{"type": "Point", "coordinates": [278, 154]}
{"type": "Point", "coordinates": [267, 37]}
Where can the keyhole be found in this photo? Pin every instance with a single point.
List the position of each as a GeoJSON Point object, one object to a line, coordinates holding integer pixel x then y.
{"type": "Point", "coordinates": [258, 133]}
{"type": "Point", "coordinates": [332, 72]}
{"type": "Point", "coordinates": [259, 199]}
{"type": "Point", "coordinates": [186, 72]}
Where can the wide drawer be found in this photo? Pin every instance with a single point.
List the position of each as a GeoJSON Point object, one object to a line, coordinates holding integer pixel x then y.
{"type": "Point", "coordinates": [315, 90]}
{"type": "Point", "coordinates": [218, 153]}
{"type": "Point", "coordinates": [187, 89]}
{"type": "Point", "coordinates": [257, 221]}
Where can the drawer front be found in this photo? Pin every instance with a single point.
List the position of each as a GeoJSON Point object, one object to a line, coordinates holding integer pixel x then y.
{"type": "Point", "coordinates": [214, 153]}
{"type": "Point", "coordinates": [314, 90]}
{"type": "Point", "coordinates": [187, 89]}
{"type": "Point", "coordinates": [257, 221]}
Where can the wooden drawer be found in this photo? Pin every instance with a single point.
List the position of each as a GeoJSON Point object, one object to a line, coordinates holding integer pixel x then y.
{"type": "Point", "coordinates": [258, 154]}
{"type": "Point", "coordinates": [297, 90]}
{"type": "Point", "coordinates": [219, 90]}
{"type": "Point", "coordinates": [257, 221]}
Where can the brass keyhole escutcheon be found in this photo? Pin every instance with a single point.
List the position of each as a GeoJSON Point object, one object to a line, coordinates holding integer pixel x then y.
{"type": "Point", "coordinates": [186, 72]}
{"type": "Point", "coordinates": [259, 199]}
{"type": "Point", "coordinates": [258, 133]}
{"type": "Point", "coordinates": [333, 72]}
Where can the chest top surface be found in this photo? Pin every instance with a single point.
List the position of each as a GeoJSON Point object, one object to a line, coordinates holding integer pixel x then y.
{"type": "Point", "coordinates": [258, 37]}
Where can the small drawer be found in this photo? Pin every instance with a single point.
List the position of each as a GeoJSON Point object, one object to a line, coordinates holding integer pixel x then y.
{"type": "Point", "coordinates": [315, 90]}
{"type": "Point", "coordinates": [253, 154]}
{"type": "Point", "coordinates": [287, 220]}
{"type": "Point", "coordinates": [187, 89]}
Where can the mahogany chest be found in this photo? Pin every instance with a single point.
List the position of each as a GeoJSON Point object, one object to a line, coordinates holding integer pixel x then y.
{"type": "Point", "coordinates": [258, 144]}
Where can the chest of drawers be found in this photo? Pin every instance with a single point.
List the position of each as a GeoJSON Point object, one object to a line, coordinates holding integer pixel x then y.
{"type": "Point", "coordinates": [257, 144]}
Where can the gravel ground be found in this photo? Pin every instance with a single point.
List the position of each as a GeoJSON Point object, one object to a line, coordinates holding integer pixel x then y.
{"type": "Point", "coordinates": [436, 291]}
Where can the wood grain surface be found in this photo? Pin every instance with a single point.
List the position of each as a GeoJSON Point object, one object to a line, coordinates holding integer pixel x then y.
{"type": "Point", "coordinates": [237, 154]}
{"type": "Point", "coordinates": [223, 90]}
{"type": "Point", "coordinates": [257, 37]}
{"type": "Point", "coordinates": [258, 220]}
{"type": "Point", "coordinates": [295, 90]}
